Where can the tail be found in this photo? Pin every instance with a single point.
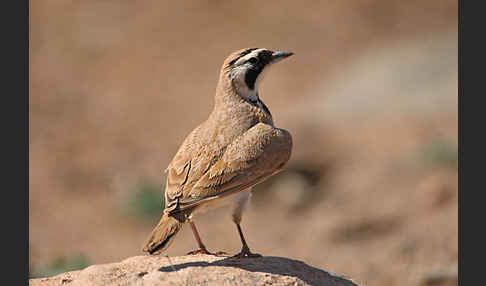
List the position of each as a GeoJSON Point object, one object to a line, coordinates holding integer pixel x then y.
{"type": "Point", "coordinates": [163, 234]}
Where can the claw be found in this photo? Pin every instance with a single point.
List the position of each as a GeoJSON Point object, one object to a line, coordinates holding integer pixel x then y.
{"type": "Point", "coordinates": [199, 251]}
{"type": "Point", "coordinates": [221, 253]}
{"type": "Point", "coordinates": [245, 252]}
{"type": "Point", "coordinates": [205, 251]}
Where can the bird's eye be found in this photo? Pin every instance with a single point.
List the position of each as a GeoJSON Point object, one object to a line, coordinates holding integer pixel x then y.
{"type": "Point", "coordinates": [253, 60]}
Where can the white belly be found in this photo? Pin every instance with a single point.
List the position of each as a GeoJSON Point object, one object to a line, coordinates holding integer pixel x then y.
{"type": "Point", "coordinates": [233, 200]}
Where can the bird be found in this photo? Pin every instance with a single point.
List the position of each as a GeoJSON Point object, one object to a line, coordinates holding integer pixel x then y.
{"type": "Point", "coordinates": [220, 161]}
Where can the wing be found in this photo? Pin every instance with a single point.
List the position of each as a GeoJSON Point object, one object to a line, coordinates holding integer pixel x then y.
{"type": "Point", "coordinates": [254, 156]}
{"type": "Point", "coordinates": [190, 163]}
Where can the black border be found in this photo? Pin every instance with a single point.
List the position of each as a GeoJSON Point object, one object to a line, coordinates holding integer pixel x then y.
{"type": "Point", "coordinates": [471, 78]}
{"type": "Point", "coordinates": [15, 142]}
{"type": "Point", "coordinates": [26, 116]}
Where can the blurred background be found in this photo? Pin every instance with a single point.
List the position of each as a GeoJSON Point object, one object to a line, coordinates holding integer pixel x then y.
{"type": "Point", "coordinates": [370, 97]}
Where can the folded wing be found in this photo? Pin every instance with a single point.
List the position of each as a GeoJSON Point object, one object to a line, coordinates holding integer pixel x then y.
{"type": "Point", "coordinates": [252, 157]}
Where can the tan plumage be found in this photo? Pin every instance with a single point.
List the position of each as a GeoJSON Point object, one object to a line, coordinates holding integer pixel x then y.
{"type": "Point", "coordinates": [234, 149]}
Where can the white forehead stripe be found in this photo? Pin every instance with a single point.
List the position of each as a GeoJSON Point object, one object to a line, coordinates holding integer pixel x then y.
{"type": "Point", "coordinates": [246, 57]}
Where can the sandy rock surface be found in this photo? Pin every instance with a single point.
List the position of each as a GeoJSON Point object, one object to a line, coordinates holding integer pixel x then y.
{"type": "Point", "coordinates": [197, 270]}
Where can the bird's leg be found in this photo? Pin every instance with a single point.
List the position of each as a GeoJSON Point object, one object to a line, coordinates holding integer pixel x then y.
{"type": "Point", "coordinates": [245, 250]}
{"type": "Point", "coordinates": [237, 213]}
{"type": "Point", "coordinates": [202, 248]}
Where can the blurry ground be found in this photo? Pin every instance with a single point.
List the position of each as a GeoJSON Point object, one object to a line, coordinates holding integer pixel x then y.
{"type": "Point", "coordinates": [370, 98]}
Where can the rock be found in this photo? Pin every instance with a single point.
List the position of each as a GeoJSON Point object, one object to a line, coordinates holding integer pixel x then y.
{"type": "Point", "coordinates": [197, 270]}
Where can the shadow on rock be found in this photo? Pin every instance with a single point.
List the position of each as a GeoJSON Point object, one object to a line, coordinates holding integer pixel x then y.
{"type": "Point", "coordinates": [271, 265]}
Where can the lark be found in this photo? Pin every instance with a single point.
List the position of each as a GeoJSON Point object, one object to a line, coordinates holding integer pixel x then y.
{"type": "Point", "coordinates": [220, 161]}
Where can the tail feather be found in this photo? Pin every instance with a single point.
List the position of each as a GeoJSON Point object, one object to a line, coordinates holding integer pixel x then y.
{"type": "Point", "coordinates": [163, 234]}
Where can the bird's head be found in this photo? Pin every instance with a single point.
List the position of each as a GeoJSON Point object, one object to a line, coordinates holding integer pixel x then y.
{"type": "Point", "coordinates": [243, 69]}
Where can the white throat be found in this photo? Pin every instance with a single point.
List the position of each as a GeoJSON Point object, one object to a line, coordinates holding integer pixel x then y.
{"type": "Point", "coordinates": [246, 93]}
{"type": "Point", "coordinates": [238, 80]}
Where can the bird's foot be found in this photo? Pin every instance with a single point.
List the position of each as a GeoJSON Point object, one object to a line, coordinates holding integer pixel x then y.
{"type": "Point", "coordinates": [205, 251]}
{"type": "Point", "coordinates": [245, 252]}
{"type": "Point", "coordinates": [220, 253]}
{"type": "Point", "coordinates": [199, 251]}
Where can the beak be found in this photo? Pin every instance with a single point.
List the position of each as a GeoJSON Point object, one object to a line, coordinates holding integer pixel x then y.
{"type": "Point", "coordinates": [280, 55]}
